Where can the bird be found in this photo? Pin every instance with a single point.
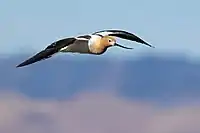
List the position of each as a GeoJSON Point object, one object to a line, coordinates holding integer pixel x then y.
{"type": "Point", "coordinates": [95, 43]}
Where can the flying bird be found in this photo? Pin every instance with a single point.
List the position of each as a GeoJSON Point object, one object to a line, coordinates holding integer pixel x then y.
{"type": "Point", "coordinates": [95, 43]}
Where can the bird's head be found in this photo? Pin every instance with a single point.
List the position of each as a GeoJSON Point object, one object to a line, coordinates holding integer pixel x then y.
{"type": "Point", "coordinates": [109, 41]}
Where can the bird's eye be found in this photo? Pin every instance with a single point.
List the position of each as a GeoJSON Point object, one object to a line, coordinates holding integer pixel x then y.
{"type": "Point", "coordinates": [110, 40]}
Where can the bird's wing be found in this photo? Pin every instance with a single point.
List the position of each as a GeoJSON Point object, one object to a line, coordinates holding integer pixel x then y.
{"type": "Point", "coordinates": [122, 34]}
{"type": "Point", "coordinates": [48, 51]}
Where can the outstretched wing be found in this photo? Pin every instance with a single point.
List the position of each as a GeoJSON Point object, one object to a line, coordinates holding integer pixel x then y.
{"type": "Point", "coordinates": [122, 34]}
{"type": "Point", "coordinates": [48, 51]}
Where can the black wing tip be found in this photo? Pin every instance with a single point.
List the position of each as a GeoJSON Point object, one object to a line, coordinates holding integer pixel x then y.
{"type": "Point", "coordinates": [20, 65]}
{"type": "Point", "coordinates": [149, 45]}
{"type": "Point", "coordinates": [25, 63]}
{"type": "Point", "coordinates": [42, 55]}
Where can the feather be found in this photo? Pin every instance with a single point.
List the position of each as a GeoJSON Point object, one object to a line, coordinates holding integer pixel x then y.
{"type": "Point", "coordinates": [48, 51]}
{"type": "Point", "coordinates": [122, 34]}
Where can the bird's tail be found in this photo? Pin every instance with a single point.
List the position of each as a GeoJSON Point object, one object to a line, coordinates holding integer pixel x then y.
{"type": "Point", "coordinates": [44, 54]}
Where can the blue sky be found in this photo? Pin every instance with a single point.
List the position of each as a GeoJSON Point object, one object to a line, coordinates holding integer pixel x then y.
{"type": "Point", "coordinates": [28, 26]}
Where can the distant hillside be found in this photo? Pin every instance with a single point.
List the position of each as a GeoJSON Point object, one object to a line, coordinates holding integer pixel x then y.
{"type": "Point", "coordinates": [150, 78]}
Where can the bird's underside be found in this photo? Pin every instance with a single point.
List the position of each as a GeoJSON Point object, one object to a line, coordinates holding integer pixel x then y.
{"type": "Point", "coordinates": [79, 44]}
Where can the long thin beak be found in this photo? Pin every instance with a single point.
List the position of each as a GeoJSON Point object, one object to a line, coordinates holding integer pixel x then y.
{"type": "Point", "coordinates": [116, 44]}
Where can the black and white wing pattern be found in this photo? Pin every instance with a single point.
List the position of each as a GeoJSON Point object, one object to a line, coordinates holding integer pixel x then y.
{"type": "Point", "coordinates": [54, 48]}
{"type": "Point", "coordinates": [122, 34]}
{"type": "Point", "coordinates": [48, 51]}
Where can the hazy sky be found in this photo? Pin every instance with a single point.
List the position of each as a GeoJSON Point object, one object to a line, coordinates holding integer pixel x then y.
{"type": "Point", "coordinates": [169, 25]}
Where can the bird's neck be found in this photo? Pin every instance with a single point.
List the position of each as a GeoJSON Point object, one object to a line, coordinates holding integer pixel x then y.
{"type": "Point", "coordinates": [96, 46]}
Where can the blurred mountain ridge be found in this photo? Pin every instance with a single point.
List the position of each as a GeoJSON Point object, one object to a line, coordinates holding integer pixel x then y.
{"type": "Point", "coordinates": [150, 77]}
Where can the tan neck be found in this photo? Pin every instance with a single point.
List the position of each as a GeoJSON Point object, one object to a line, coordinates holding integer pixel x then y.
{"type": "Point", "coordinates": [96, 47]}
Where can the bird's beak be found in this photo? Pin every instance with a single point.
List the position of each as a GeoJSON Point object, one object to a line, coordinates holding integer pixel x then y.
{"type": "Point", "coordinates": [116, 44]}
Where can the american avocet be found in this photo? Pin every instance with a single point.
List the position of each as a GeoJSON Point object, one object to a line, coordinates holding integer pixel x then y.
{"type": "Point", "coordinates": [96, 43]}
